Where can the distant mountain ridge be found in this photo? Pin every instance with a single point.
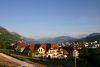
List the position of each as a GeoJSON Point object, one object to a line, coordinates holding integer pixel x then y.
{"type": "Point", "coordinates": [5, 35]}
{"type": "Point", "coordinates": [91, 37]}
{"type": "Point", "coordinates": [59, 39]}
{"type": "Point", "coordinates": [62, 39]}
{"type": "Point", "coordinates": [29, 40]}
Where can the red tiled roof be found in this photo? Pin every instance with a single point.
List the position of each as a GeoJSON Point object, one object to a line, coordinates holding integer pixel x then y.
{"type": "Point", "coordinates": [43, 46]}
{"type": "Point", "coordinates": [55, 46]}
{"type": "Point", "coordinates": [32, 47]}
{"type": "Point", "coordinates": [21, 44]}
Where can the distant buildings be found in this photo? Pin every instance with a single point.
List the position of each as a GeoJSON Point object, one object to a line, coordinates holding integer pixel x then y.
{"type": "Point", "coordinates": [80, 45]}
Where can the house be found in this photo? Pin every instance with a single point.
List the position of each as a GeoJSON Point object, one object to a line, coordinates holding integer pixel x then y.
{"type": "Point", "coordinates": [34, 50]}
{"type": "Point", "coordinates": [42, 50]}
{"type": "Point", "coordinates": [38, 50]}
{"type": "Point", "coordinates": [31, 50]}
{"type": "Point", "coordinates": [86, 44]}
{"type": "Point", "coordinates": [57, 51]}
{"type": "Point", "coordinates": [62, 53]}
{"type": "Point", "coordinates": [53, 51]}
{"type": "Point", "coordinates": [48, 46]}
{"type": "Point", "coordinates": [20, 46]}
{"type": "Point", "coordinates": [26, 50]}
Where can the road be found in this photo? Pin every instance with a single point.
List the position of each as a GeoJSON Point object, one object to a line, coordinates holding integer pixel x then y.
{"type": "Point", "coordinates": [21, 63]}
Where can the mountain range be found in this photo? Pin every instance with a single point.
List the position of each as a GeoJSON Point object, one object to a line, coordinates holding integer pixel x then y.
{"type": "Point", "coordinates": [6, 35]}
{"type": "Point", "coordinates": [62, 39]}
{"type": "Point", "coordinates": [91, 37]}
{"type": "Point", "coordinates": [59, 39]}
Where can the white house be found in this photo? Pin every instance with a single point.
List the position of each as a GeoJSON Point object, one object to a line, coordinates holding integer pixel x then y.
{"type": "Point", "coordinates": [56, 52]}
{"type": "Point", "coordinates": [42, 50]}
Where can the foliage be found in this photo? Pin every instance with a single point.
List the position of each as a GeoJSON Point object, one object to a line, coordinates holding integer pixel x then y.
{"type": "Point", "coordinates": [6, 38]}
{"type": "Point", "coordinates": [91, 55]}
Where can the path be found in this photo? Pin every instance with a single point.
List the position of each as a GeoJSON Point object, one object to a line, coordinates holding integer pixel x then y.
{"type": "Point", "coordinates": [22, 63]}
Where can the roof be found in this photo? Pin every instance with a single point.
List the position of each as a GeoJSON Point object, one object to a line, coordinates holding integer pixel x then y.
{"type": "Point", "coordinates": [54, 46]}
{"type": "Point", "coordinates": [32, 47]}
{"type": "Point", "coordinates": [64, 51]}
{"type": "Point", "coordinates": [48, 46]}
{"type": "Point", "coordinates": [43, 46]}
{"type": "Point", "coordinates": [21, 44]}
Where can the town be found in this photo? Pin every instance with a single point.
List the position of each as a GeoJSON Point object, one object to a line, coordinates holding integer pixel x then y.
{"type": "Point", "coordinates": [49, 33]}
{"type": "Point", "coordinates": [58, 51]}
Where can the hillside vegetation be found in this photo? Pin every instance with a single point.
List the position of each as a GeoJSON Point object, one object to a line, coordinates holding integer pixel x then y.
{"type": "Point", "coordinates": [6, 37]}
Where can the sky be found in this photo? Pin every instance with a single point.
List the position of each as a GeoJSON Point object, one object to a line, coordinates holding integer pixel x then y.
{"type": "Point", "coordinates": [50, 18]}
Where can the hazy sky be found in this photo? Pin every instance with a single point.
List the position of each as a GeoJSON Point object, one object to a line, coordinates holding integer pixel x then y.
{"type": "Point", "coordinates": [48, 18]}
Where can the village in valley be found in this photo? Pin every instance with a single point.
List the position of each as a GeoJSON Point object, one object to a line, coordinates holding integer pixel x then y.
{"type": "Point", "coordinates": [53, 50]}
{"type": "Point", "coordinates": [56, 52]}
{"type": "Point", "coordinates": [16, 51]}
{"type": "Point", "coordinates": [49, 33]}
{"type": "Point", "coordinates": [68, 53]}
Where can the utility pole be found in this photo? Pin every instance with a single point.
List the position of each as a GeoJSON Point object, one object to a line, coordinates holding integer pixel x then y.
{"type": "Point", "coordinates": [75, 61]}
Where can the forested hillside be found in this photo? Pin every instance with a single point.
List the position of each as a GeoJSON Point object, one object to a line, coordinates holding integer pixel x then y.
{"type": "Point", "coordinates": [6, 37]}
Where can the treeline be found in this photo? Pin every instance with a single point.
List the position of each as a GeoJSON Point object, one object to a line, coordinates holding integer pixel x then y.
{"type": "Point", "coordinates": [90, 56]}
